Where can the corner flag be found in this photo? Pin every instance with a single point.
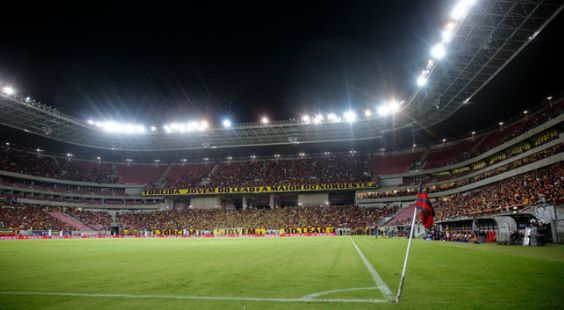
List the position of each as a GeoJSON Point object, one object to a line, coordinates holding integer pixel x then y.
{"type": "Point", "coordinates": [424, 204]}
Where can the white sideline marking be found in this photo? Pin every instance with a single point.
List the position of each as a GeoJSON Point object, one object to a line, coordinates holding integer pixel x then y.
{"type": "Point", "coordinates": [375, 276]}
{"type": "Point", "coordinates": [189, 297]}
{"type": "Point", "coordinates": [314, 295]}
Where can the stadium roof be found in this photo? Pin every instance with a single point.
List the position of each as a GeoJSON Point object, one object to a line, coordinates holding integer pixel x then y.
{"type": "Point", "coordinates": [488, 38]}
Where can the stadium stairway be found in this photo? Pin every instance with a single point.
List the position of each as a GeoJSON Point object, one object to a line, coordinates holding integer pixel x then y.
{"type": "Point", "coordinates": [165, 174]}
{"type": "Point", "coordinates": [71, 221]}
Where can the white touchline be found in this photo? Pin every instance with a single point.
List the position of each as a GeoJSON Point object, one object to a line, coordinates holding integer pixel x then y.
{"type": "Point", "coordinates": [375, 276]}
{"type": "Point", "coordinates": [314, 295]}
{"type": "Point", "coordinates": [189, 297]}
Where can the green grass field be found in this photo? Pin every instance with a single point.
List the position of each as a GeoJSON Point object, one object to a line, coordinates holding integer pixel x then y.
{"type": "Point", "coordinates": [277, 273]}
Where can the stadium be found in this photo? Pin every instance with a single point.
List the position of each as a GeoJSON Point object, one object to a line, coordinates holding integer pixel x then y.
{"type": "Point", "coordinates": [358, 155]}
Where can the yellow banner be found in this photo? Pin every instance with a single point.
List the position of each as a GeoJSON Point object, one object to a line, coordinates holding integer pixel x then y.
{"type": "Point", "coordinates": [256, 189]}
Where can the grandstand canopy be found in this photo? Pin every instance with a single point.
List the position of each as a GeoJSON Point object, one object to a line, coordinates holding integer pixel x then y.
{"type": "Point", "coordinates": [242, 62]}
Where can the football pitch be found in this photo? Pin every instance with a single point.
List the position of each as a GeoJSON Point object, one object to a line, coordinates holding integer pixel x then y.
{"type": "Point", "coordinates": [276, 273]}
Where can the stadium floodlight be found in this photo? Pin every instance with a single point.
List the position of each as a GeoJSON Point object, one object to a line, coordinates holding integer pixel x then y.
{"type": "Point", "coordinates": [327, 203]}
{"type": "Point", "coordinates": [450, 26]}
{"type": "Point", "coordinates": [226, 123]}
{"type": "Point", "coordinates": [253, 157]}
{"type": "Point", "coordinates": [525, 112]}
{"type": "Point", "coordinates": [7, 143]}
{"type": "Point", "coordinates": [383, 110]}
{"type": "Point", "coordinates": [332, 117]}
{"type": "Point", "coordinates": [8, 90]}
{"type": "Point", "coordinates": [461, 8]}
{"type": "Point", "coordinates": [183, 160]}
{"type": "Point", "coordinates": [444, 140]}
{"type": "Point", "coordinates": [349, 116]}
{"type": "Point", "coordinates": [414, 145]}
{"type": "Point", "coordinates": [447, 35]}
{"type": "Point", "coordinates": [473, 133]}
{"type": "Point", "coordinates": [27, 99]}
{"type": "Point", "coordinates": [70, 155]}
{"type": "Point", "coordinates": [157, 161]}
{"type": "Point", "coordinates": [318, 119]}
{"type": "Point", "coordinates": [302, 154]}
{"type": "Point", "coordinates": [421, 81]}
{"type": "Point", "coordinates": [367, 113]}
{"type": "Point", "coordinates": [394, 106]}
{"type": "Point", "coordinates": [98, 158]}
{"type": "Point", "coordinates": [167, 129]}
{"type": "Point", "coordinates": [276, 155]}
{"type": "Point", "coordinates": [91, 122]}
{"type": "Point", "coordinates": [38, 150]}
{"type": "Point", "coordinates": [153, 128]}
{"type": "Point", "coordinates": [326, 153]}
{"type": "Point", "coordinates": [203, 125]}
{"type": "Point", "coordinates": [206, 159]}
{"type": "Point", "coordinates": [306, 119]}
{"type": "Point", "coordinates": [129, 160]}
{"type": "Point", "coordinates": [500, 123]}
{"type": "Point", "coordinates": [229, 157]}
{"type": "Point", "coordinates": [264, 120]}
{"type": "Point", "coordinates": [438, 51]}
{"type": "Point", "coordinates": [549, 98]}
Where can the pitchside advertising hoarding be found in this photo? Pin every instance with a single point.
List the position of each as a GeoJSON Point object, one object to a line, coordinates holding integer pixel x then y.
{"type": "Point", "coordinates": [257, 189]}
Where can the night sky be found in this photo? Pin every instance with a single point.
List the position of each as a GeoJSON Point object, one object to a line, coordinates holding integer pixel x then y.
{"type": "Point", "coordinates": [159, 63]}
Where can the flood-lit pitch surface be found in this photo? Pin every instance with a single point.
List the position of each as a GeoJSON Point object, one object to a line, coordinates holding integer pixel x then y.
{"type": "Point", "coordinates": [275, 273]}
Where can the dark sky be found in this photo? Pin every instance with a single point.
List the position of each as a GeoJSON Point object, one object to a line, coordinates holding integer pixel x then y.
{"type": "Point", "coordinates": [159, 62]}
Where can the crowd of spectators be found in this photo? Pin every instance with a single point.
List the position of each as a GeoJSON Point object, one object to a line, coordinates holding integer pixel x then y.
{"type": "Point", "coordinates": [454, 184]}
{"type": "Point", "coordinates": [497, 137]}
{"type": "Point", "coordinates": [17, 217]}
{"type": "Point", "coordinates": [38, 164]}
{"type": "Point", "coordinates": [536, 187]}
{"type": "Point", "coordinates": [98, 220]}
{"type": "Point", "coordinates": [334, 168]}
{"type": "Point", "coordinates": [287, 217]}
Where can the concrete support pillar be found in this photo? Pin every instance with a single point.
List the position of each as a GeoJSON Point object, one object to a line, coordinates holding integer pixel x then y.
{"type": "Point", "coordinates": [271, 203]}
{"type": "Point", "coordinates": [244, 203]}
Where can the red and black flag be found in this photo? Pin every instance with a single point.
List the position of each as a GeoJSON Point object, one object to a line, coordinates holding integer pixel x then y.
{"type": "Point", "coordinates": [424, 204]}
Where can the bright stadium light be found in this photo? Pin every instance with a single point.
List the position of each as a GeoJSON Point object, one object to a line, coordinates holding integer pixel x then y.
{"type": "Point", "coordinates": [367, 113]}
{"type": "Point", "coordinates": [226, 123]}
{"type": "Point", "coordinates": [264, 120]}
{"type": "Point", "coordinates": [333, 118]}
{"type": "Point", "coordinates": [318, 119]}
{"type": "Point", "coordinates": [302, 154]}
{"type": "Point", "coordinates": [447, 35]}
{"type": "Point", "coordinates": [438, 51]}
{"type": "Point", "coordinates": [27, 99]}
{"type": "Point", "coordinates": [153, 128]}
{"type": "Point", "coordinates": [421, 81]}
{"type": "Point", "coordinates": [394, 106]}
{"type": "Point", "coordinates": [461, 8]}
{"type": "Point", "coordinates": [203, 125]}
{"type": "Point", "coordinates": [8, 90]}
{"type": "Point", "coordinates": [98, 158]}
{"type": "Point", "coordinates": [383, 110]}
{"type": "Point", "coordinates": [91, 122]}
{"type": "Point", "coordinates": [349, 116]}
{"type": "Point", "coordinates": [306, 119]}
{"type": "Point", "coordinates": [253, 157]}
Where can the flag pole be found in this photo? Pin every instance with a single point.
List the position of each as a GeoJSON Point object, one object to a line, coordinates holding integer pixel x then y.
{"type": "Point", "coordinates": [406, 255]}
